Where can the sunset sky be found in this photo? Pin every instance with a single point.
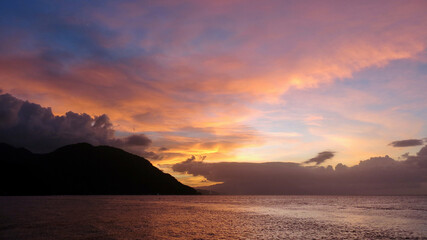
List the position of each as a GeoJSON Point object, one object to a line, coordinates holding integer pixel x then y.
{"type": "Point", "coordinates": [226, 81]}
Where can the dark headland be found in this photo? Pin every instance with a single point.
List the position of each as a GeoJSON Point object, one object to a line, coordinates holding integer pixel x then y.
{"type": "Point", "coordinates": [82, 169]}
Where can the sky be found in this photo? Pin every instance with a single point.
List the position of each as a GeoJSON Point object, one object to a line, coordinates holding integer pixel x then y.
{"type": "Point", "coordinates": [311, 83]}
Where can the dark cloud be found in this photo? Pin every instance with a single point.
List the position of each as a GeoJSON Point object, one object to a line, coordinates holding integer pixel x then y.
{"type": "Point", "coordinates": [163, 149]}
{"type": "Point", "coordinates": [407, 143]}
{"type": "Point", "coordinates": [404, 156]}
{"type": "Point", "coordinates": [321, 157]}
{"type": "Point", "coordinates": [137, 140]}
{"type": "Point", "coordinates": [375, 176]}
{"type": "Point", "coordinates": [29, 125]}
{"type": "Point", "coordinates": [419, 160]}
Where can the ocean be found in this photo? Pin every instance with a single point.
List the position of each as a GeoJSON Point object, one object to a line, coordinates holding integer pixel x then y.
{"type": "Point", "coordinates": [213, 217]}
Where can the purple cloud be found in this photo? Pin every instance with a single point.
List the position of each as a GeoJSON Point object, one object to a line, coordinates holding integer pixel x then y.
{"type": "Point", "coordinates": [29, 125]}
{"type": "Point", "coordinates": [321, 157]}
{"type": "Point", "coordinates": [407, 143]}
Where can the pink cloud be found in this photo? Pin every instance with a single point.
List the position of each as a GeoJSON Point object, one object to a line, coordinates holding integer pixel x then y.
{"type": "Point", "coordinates": [208, 64]}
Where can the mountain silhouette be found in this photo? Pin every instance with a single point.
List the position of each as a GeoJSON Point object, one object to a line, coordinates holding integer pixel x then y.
{"type": "Point", "coordinates": [82, 169]}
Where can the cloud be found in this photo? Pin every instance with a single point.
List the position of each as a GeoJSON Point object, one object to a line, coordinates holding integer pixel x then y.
{"type": "Point", "coordinates": [162, 66]}
{"type": "Point", "coordinates": [407, 143]}
{"type": "Point", "coordinates": [150, 155]}
{"type": "Point", "coordinates": [219, 143]}
{"type": "Point", "coordinates": [375, 176]}
{"type": "Point", "coordinates": [135, 140]}
{"type": "Point", "coordinates": [29, 125]}
{"type": "Point", "coordinates": [419, 160]}
{"type": "Point", "coordinates": [321, 157]}
{"type": "Point", "coordinates": [188, 61]}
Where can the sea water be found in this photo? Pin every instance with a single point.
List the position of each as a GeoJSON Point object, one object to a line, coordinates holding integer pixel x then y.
{"type": "Point", "coordinates": [213, 217]}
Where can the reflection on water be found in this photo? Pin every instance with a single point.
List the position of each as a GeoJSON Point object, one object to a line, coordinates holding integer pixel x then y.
{"type": "Point", "coordinates": [212, 217]}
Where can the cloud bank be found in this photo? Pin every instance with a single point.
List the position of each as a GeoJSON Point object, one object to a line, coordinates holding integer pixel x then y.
{"type": "Point", "coordinates": [375, 176]}
{"type": "Point", "coordinates": [29, 125]}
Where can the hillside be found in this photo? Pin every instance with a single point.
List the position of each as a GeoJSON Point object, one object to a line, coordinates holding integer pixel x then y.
{"type": "Point", "coordinates": [82, 169]}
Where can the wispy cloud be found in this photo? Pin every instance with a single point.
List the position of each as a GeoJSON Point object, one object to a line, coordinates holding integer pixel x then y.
{"type": "Point", "coordinates": [321, 157]}
{"type": "Point", "coordinates": [407, 143]}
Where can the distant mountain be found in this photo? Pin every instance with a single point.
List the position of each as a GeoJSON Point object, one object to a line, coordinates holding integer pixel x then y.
{"type": "Point", "coordinates": [82, 169]}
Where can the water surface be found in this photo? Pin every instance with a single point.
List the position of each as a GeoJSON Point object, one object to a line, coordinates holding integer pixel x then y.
{"type": "Point", "coordinates": [213, 217]}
